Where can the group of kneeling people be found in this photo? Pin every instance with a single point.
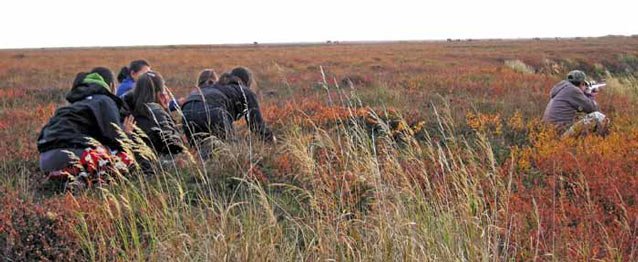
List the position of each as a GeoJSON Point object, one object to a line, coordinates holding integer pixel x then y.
{"type": "Point", "coordinates": [85, 138]}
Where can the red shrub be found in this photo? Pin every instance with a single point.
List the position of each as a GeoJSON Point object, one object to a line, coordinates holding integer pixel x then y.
{"type": "Point", "coordinates": [579, 200]}
{"type": "Point", "coordinates": [30, 232]}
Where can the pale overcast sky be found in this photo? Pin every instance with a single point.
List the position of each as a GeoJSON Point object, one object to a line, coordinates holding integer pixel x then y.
{"type": "Point", "coordinates": [71, 23]}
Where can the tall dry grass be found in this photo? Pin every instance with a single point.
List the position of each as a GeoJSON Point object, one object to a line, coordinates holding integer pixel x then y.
{"type": "Point", "coordinates": [356, 194]}
{"type": "Point", "coordinates": [357, 175]}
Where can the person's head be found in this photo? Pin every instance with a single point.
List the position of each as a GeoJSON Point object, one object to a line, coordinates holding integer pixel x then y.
{"type": "Point", "coordinates": [228, 79]}
{"type": "Point", "coordinates": [577, 78]}
{"type": "Point", "coordinates": [207, 77]}
{"type": "Point", "coordinates": [134, 70]}
{"type": "Point", "coordinates": [107, 75]}
{"type": "Point", "coordinates": [104, 75]}
{"type": "Point", "coordinates": [79, 78]}
{"type": "Point", "coordinates": [244, 74]}
{"type": "Point", "coordinates": [149, 88]}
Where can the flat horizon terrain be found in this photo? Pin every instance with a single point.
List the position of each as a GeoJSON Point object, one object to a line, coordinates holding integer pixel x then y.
{"type": "Point", "coordinates": [412, 150]}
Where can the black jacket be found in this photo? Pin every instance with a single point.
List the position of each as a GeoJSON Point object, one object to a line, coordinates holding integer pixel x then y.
{"type": "Point", "coordinates": [159, 127]}
{"type": "Point", "coordinates": [237, 100]}
{"type": "Point", "coordinates": [92, 112]}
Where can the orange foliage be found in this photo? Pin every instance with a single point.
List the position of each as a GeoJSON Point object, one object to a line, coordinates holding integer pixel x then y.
{"type": "Point", "coordinates": [485, 122]}
{"type": "Point", "coordinates": [580, 195]}
{"type": "Point", "coordinates": [308, 112]}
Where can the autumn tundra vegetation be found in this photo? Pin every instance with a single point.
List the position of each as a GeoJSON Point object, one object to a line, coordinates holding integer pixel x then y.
{"type": "Point", "coordinates": [419, 151]}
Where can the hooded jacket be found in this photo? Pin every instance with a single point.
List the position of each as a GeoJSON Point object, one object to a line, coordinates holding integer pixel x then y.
{"type": "Point", "coordinates": [92, 112]}
{"type": "Point", "coordinates": [237, 100]}
{"type": "Point", "coordinates": [566, 101]}
{"type": "Point", "coordinates": [159, 127]}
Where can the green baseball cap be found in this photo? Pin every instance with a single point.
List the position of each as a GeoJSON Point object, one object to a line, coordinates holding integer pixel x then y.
{"type": "Point", "coordinates": [576, 76]}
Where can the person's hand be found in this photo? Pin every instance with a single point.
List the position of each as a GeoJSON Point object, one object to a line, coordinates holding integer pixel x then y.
{"type": "Point", "coordinates": [181, 100]}
{"type": "Point", "coordinates": [164, 99]}
{"type": "Point", "coordinates": [129, 124]}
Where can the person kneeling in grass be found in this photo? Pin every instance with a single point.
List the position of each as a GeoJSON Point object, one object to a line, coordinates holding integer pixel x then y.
{"type": "Point", "coordinates": [571, 98]}
{"type": "Point", "coordinates": [212, 109]}
{"type": "Point", "coordinates": [148, 103]}
{"type": "Point", "coordinates": [81, 139]}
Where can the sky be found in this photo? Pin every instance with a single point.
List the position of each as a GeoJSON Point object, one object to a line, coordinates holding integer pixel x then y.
{"type": "Point", "coordinates": [71, 23]}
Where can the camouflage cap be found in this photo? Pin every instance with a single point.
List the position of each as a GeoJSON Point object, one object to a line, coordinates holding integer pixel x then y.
{"type": "Point", "coordinates": [576, 76]}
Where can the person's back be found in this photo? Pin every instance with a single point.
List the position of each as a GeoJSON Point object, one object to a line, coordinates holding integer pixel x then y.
{"type": "Point", "coordinates": [232, 97]}
{"type": "Point", "coordinates": [81, 139]}
{"type": "Point", "coordinates": [237, 101]}
{"type": "Point", "coordinates": [566, 101]}
{"type": "Point", "coordinates": [91, 114]}
{"type": "Point", "coordinates": [151, 116]}
{"type": "Point", "coordinates": [212, 94]}
{"type": "Point", "coordinates": [160, 130]}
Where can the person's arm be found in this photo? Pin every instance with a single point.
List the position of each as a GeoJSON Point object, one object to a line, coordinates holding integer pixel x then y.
{"type": "Point", "coordinates": [166, 138]}
{"type": "Point", "coordinates": [582, 102]}
{"type": "Point", "coordinates": [107, 116]}
{"type": "Point", "coordinates": [254, 118]}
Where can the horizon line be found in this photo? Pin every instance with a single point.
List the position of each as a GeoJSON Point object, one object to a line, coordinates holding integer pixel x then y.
{"type": "Point", "coordinates": [309, 43]}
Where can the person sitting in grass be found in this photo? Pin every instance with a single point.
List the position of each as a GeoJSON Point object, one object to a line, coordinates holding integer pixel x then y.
{"type": "Point", "coordinates": [148, 103]}
{"type": "Point", "coordinates": [81, 139]}
{"type": "Point", "coordinates": [212, 109]}
{"type": "Point", "coordinates": [571, 98]}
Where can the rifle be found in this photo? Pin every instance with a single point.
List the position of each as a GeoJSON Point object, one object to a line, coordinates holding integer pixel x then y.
{"type": "Point", "coordinates": [593, 87]}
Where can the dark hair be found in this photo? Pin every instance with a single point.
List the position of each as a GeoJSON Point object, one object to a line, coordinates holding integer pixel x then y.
{"type": "Point", "coordinates": [145, 91]}
{"type": "Point", "coordinates": [244, 74]}
{"type": "Point", "coordinates": [104, 72]}
{"type": "Point", "coordinates": [135, 66]}
{"type": "Point", "coordinates": [229, 79]}
{"type": "Point", "coordinates": [207, 77]}
{"type": "Point", "coordinates": [79, 77]}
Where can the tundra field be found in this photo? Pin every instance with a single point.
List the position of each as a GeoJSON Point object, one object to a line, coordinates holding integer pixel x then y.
{"type": "Point", "coordinates": [419, 151]}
